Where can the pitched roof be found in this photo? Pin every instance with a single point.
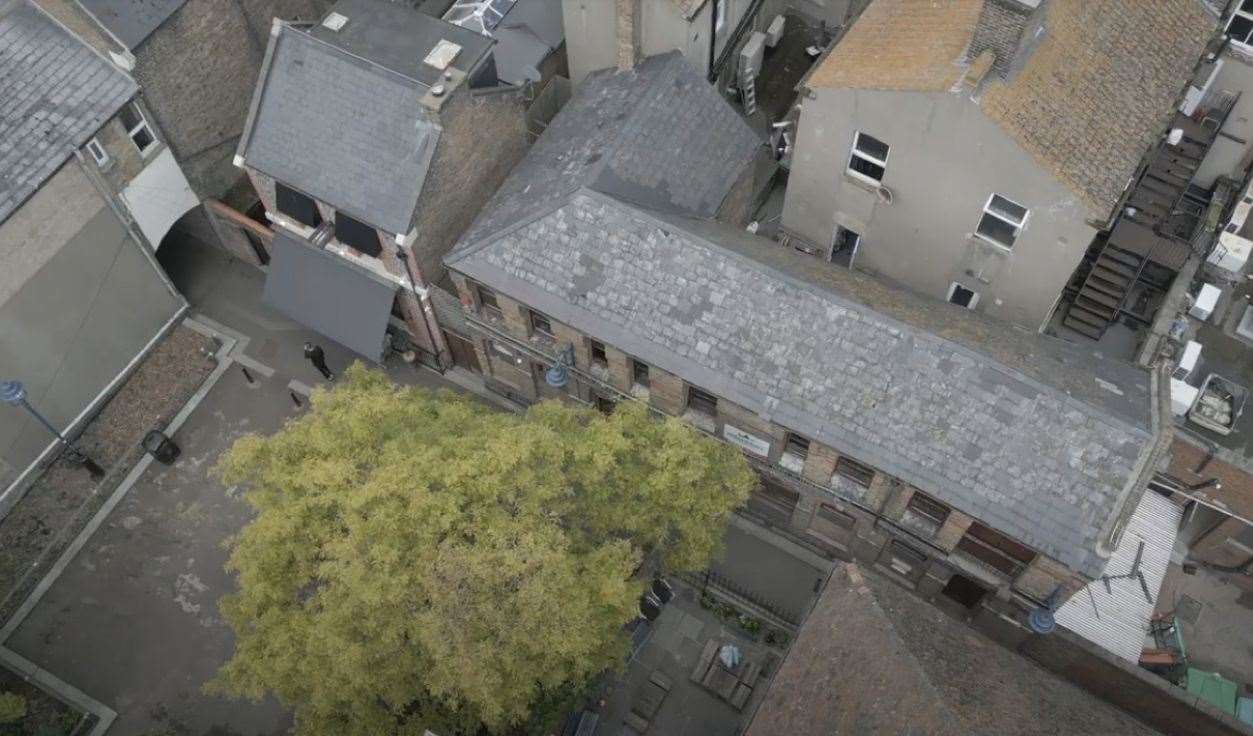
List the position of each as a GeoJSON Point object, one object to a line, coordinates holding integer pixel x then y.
{"type": "Point", "coordinates": [1037, 447]}
{"type": "Point", "coordinates": [1096, 92]}
{"type": "Point", "coordinates": [342, 129]}
{"type": "Point", "coordinates": [658, 135]}
{"type": "Point", "coordinates": [918, 671]}
{"type": "Point", "coordinates": [1085, 99]}
{"type": "Point", "coordinates": [915, 45]}
{"type": "Point", "coordinates": [56, 93]}
{"type": "Point", "coordinates": [131, 21]}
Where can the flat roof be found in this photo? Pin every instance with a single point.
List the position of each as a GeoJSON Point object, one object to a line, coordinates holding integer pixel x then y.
{"type": "Point", "coordinates": [131, 21]}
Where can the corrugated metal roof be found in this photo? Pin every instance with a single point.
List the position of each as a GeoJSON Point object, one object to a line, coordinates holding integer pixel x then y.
{"type": "Point", "coordinates": [1118, 619]}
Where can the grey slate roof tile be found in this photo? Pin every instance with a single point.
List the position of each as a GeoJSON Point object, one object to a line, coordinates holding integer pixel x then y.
{"type": "Point", "coordinates": [1017, 451]}
{"type": "Point", "coordinates": [55, 93]}
{"type": "Point", "coordinates": [342, 129]}
{"type": "Point", "coordinates": [618, 135]}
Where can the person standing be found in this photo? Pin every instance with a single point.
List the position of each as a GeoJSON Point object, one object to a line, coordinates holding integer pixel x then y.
{"type": "Point", "coordinates": [317, 357]}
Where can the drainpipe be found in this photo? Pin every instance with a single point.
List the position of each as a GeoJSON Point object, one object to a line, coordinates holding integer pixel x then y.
{"type": "Point", "coordinates": [423, 297]}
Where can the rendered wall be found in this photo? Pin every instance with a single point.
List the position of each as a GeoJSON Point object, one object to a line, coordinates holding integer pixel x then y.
{"type": "Point", "coordinates": [946, 159]}
{"type": "Point", "coordinates": [75, 323]}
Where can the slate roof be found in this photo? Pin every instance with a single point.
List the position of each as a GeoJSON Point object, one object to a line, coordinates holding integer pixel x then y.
{"type": "Point", "coordinates": [1007, 444]}
{"type": "Point", "coordinates": [916, 670]}
{"type": "Point", "coordinates": [658, 135]}
{"type": "Point", "coordinates": [342, 129]}
{"type": "Point", "coordinates": [56, 92]}
{"type": "Point", "coordinates": [1085, 99]}
{"type": "Point", "coordinates": [131, 21]}
{"type": "Point", "coordinates": [398, 37]}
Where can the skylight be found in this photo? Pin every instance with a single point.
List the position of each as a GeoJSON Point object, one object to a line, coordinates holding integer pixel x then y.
{"type": "Point", "coordinates": [480, 16]}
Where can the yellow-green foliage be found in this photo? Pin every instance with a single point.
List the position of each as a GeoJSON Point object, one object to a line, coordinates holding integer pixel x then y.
{"type": "Point", "coordinates": [12, 707]}
{"type": "Point", "coordinates": [420, 561]}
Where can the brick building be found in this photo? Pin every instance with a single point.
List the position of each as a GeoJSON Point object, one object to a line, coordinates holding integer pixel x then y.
{"type": "Point", "coordinates": [961, 456]}
{"type": "Point", "coordinates": [370, 181]}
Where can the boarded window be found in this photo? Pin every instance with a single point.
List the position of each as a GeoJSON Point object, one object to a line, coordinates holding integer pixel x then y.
{"type": "Point", "coordinates": [299, 207]}
{"type": "Point", "coordinates": [359, 235]}
{"type": "Point", "coordinates": [860, 474]}
{"type": "Point", "coordinates": [487, 300]}
{"type": "Point", "coordinates": [702, 402]}
{"type": "Point", "coordinates": [639, 373]}
{"type": "Point", "coordinates": [541, 325]}
{"type": "Point", "coordinates": [995, 549]}
{"type": "Point", "coordinates": [599, 357]}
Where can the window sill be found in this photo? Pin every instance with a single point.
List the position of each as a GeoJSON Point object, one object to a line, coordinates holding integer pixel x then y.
{"type": "Point", "coordinates": [863, 182]}
{"type": "Point", "coordinates": [794, 463]}
{"type": "Point", "coordinates": [701, 420]}
{"type": "Point", "coordinates": [1001, 247]}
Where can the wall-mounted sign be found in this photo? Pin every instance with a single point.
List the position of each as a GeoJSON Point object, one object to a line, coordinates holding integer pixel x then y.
{"type": "Point", "coordinates": [747, 442]}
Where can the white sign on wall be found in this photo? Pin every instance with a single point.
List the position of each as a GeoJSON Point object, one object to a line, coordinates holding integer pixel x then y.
{"type": "Point", "coordinates": [745, 441]}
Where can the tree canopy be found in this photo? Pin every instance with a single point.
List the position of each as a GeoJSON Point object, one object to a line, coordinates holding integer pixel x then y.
{"type": "Point", "coordinates": [418, 560]}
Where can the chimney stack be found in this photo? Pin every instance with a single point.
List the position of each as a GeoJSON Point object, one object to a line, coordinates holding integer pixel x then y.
{"type": "Point", "coordinates": [627, 25]}
{"type": "Point", "coordinates": [1000, 29]}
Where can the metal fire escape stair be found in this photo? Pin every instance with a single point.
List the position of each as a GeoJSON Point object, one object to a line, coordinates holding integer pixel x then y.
{"type": "Point", "coordinates": [1158, 218]}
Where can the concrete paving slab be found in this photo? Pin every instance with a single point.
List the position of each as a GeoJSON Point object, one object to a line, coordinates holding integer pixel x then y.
{"type": "Point", "coordinates": [133, 620]}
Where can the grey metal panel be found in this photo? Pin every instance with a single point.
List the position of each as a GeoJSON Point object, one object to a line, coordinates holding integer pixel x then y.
{"type": "Point", "coordinates": [73, 327]}
{"type": "Point", "coordinates": [324, 292]}
{"type": "Point", "coordinates": [131, 21]}
{"type": "Point", "coordinates": [1118, 620]}
{"type": "Point", "coordinates": [55, 93]}
{"type": "Point", "coordinates": [1024, 456]}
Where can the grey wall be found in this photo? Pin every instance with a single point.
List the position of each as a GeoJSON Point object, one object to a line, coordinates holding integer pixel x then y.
{"type": "Point", "coordinates": [74, 323]}
{"type": "Point", "coordinates": [946, 158]}
{"type": "Point", "coordinates": [1225, 156]}
{"type": "Point", "coordinates": [590, 32]}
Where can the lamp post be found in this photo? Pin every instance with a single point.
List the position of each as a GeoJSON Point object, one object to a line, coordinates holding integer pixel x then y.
{"type": "Point", "coordinates": [13, 393]}
{"type": "Point", "coordinates": [559, 375]}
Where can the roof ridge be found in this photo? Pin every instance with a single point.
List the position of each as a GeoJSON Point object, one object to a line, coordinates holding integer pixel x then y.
{"type": "Point", "coordinates": [468, 248]}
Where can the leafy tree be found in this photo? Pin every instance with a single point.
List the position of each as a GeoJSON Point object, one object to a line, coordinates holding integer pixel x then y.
{"type": "Point", "coordinates": [12, 707]}
{"type": "Point", "coordinates": [418, 560]}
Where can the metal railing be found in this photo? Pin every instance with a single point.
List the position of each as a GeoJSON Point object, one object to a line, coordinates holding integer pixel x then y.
{"type": "Point", "coordinates": [710, 581]}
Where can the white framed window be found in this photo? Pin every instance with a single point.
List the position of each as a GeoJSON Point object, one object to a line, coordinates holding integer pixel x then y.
{"type": "Point", "coordinates": [961, 296]}
{"type": "Point", "coordinates": [137, 127]}
{"type": "Point", "coordinates": [720, 15]}
{"type": "Point", "coordinates": [1002, 220]}
{"type": "Point", "coordinates": [1240, 24]}
{"type": "Point", "coordinates": [869, 158]}
{"type": "Point", "coordinates": [98, 153]}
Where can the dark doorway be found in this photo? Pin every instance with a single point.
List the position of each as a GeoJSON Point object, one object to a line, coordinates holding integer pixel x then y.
{"type": "Point", "coordinates": [844, 247]}
{"type": "Point", "coordinates": [462, 350]}
{"type": "Point", "coordinates": [964, 590]}
{"type": "Point", "coordinates": [773, 503]}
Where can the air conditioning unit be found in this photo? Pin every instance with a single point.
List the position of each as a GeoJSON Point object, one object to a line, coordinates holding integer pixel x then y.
{"type": "Point", "coordinates": [774, 31]}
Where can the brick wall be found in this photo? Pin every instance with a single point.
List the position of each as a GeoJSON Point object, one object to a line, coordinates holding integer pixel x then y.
{"type": "Point", "coordinates": [484, 136]}
{"type": "Point", "coordinates": [627, 32]}
{"type": "Point", "coordinates": [198, 71]}
{"type": "Point", "coordinates": [999, 28]}
{"type": "Point", "coordinates": [1236, 493]}
{"type": "Point", "coordinates": [229, 227]}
